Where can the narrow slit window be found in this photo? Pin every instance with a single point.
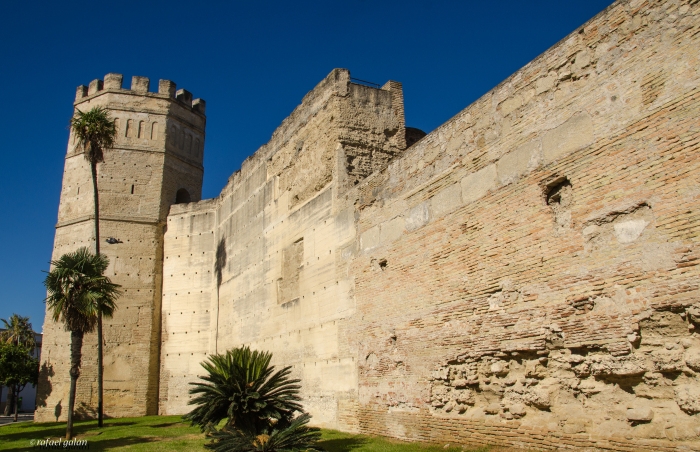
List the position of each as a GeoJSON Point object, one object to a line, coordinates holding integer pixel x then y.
{"type": "Point", "coordinates": [132, 189]}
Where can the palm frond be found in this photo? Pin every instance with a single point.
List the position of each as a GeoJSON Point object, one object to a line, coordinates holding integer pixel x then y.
{"type": "Point", "coordinates": [18, 331]}
{"type": "Point", "coordinates": [95, 132]}
{"type": "Point", "coordinates": [297, 436]}
{"type": "Point", "coordinates": [78, 291]}
{"type": "Point", "coordinates": [242, 386]}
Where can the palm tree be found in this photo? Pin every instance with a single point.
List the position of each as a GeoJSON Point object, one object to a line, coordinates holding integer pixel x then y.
{"type": "Point", "coordinates": [78, 292]}
{"type": "Point", "coordinates": [95, 132]}
{"type": "Point", "coordinates": [242, 386]}
{"type": "Point", "coordinates": [18, 331]}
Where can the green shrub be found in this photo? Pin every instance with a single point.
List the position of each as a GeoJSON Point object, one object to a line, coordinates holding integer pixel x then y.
{"type": "Point", "coordinates": [257, 404]}
{"type": "Point", "coordinates": [295, 437]}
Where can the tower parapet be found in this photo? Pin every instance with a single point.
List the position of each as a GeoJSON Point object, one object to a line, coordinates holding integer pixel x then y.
{"type": "Point", "coordinates": [167, 89]}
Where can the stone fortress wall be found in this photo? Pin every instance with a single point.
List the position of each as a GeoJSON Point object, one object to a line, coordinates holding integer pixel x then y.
{"type": "Point", "coordinates": [260, 265]}
{"type": "Point", "coordinates": [524, 275]}
{"type": "Point", "coordinates": [527, 273]}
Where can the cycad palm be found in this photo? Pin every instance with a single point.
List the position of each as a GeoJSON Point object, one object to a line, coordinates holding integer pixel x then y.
{"type": "Point", "coordinates": [296, 437]}
{"type": "Point", "coordinates": [242, 386]}
{"type": "Point", "coordinates": [77, 292]}
{"type": "Point", "coordinates": [95, 132]}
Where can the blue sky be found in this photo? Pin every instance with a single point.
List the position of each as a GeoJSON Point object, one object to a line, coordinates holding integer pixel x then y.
{"type": "Point", "coordinates": [252, 62]}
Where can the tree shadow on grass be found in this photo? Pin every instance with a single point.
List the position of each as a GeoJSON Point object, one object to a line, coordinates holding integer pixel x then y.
{"type": "Point", "coordinates": [117, 423]}
{"type": "Point", "coordinates": [170, 424]}
{"type": "Point", "coordinates": [27, 433]}
{"type": "Point", "coordinates": [117, 443]}
{"type": "Point", "coordinates": [342, 444]}
{"type": "Point", "coordinates": [31, 431]}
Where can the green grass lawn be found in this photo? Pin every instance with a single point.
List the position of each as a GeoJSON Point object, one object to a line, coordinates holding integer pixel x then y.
{"type": "Point", "coordinates": [169, 433]}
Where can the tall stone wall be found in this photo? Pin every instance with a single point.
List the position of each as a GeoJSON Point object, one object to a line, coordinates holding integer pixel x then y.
{"type": "Point", "coordinates": [527, 273]}
{"type": "Point", "coordinates": [263, 264]}
{"type": "Point", "coordinates": [157, 152]}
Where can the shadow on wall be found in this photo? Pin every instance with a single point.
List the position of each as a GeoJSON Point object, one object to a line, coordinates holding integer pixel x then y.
{"type": "Point", "coordinates": [45, 373]}
{"type": "Point", "coordinates": [219, 270]}
{"type": "Point", "coordinates": [220, 261]}
{"type": "Point", "coordinates": [84, 412]}
{"type": "Point", "coordinates": [58, 410]}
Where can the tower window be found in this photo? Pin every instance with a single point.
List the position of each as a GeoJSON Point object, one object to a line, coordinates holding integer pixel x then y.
{"type": "Point", "coordinates": [182, 196]}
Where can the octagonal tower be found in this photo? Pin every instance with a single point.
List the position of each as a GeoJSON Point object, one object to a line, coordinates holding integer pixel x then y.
{"type": "Point", "coordinates": [156, 162]}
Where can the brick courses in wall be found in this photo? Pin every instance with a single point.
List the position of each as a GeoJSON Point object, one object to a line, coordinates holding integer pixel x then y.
{"type": "Point", "coordinates": [538, 253]}
{"type": "Point", "coordinates": [525, 275]}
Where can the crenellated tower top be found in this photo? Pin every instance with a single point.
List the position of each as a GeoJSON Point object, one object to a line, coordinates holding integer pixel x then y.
{"type": "Point", "coordinates": [167, 89]}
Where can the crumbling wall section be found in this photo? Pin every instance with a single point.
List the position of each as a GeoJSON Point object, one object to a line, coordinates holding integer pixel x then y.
{"type": "Point", "coordinates": [526, 274]}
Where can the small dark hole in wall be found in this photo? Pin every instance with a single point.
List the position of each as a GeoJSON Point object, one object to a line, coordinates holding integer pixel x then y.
{"type": "Point", "coordinates": [382, 264]}
{"type": "Point", "coordinates": [555, 189]}
{"type": "Point", "coordinates": [132, 189]}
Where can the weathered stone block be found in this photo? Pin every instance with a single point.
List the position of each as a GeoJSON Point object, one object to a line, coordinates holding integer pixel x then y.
{"type": "Point", "coordinates": [113, 81]}
{"type": "Point", "coordinates": [391, 230]}
{"type": "Point", "coordinates": [640, 414]}
{"type": "Point", "coordinates": [692, 359]}
{"type": "Point", "coordinates": [417, 217]}
{"type": "Point", "coordinates": [523, 159]}
{"type": "Point", "coordinates": [688, 398]}
{"type": "Point", "coordinates": [140, 84]}
{"type": "Point", "coordinates": [575, 133]}
{"type": "Point", "coordinates": [447, 200]}
{"type": "Point", "coordinates": [167, 87]}
{"type": "Point", "coordinates": [629, 231]}
{"type": "Point", "coordinates": [370, 239]}
{"type": "Point", "coordinates": [477, 184]}
{"type": "Point", "coordinates": [94, 86]}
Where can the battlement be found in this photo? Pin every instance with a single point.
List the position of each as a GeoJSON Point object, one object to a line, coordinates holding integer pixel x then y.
{"type": "Point", "coordinates": [140, 86]}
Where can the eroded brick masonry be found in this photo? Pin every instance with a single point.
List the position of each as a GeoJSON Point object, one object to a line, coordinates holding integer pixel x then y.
{"type": "Point", "coordinates": [525, 275]}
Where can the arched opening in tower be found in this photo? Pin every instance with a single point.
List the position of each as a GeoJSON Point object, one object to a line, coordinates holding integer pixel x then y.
{"type": "Point", "coordinates": [182, 196]}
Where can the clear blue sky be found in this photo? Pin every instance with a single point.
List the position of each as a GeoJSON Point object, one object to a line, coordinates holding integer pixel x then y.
{"type": "Point", "coordinates": [252, 62]}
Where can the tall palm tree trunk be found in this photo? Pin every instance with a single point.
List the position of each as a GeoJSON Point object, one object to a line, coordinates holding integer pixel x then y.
{"type": "Point", "coordinates": [100, 406]}
{"type": "Point", "coordinates": [76, 346]}
{"type": "Point", "coordinates": [93, 167]}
